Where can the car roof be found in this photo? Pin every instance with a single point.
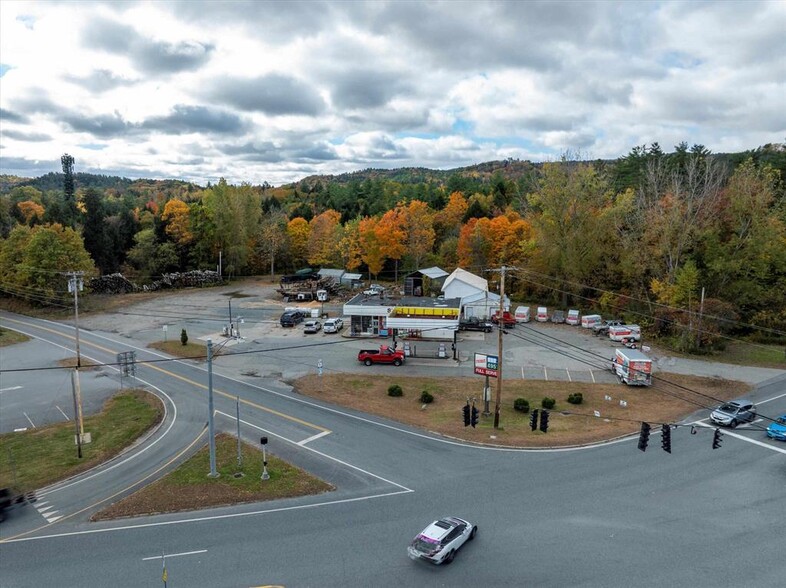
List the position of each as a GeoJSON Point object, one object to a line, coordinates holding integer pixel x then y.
{"type": "Point", "coordinates": [740, 401]}
{"type": "Point", "coordinates": [438, 529]}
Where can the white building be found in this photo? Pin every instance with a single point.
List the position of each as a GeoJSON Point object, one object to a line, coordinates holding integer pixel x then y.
{"type": "Point", "coordinates": [476, 300]}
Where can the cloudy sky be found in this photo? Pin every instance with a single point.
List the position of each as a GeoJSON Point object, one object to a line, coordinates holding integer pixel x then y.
{"type": "Point", "coordinates": [276, 91]}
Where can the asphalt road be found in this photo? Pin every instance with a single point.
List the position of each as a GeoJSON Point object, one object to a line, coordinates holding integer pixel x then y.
{"type": "Point", "coordinates": [601, 516]}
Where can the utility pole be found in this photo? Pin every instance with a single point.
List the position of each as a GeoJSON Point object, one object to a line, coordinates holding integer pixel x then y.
{"type": "Point", "coordinates": [501, 328]}
{"type": "Point", "coordinates": [210, 430]}
{"type": "Point", "coordinates": [75, 284]}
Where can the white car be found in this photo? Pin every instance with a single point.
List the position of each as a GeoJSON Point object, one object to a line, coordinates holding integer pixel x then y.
{"type": "Point", "coordinates": [312, 327]}
{"type": "Point", "coordinates": [333, 325]}
{"type": "Point", "coordinates": [439, 542]}
{"type": "Point", "coordinates": [374, 290]}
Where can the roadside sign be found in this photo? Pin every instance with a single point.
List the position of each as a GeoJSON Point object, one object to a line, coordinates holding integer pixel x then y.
{"type": "Point", "coordinates": [486, 365]}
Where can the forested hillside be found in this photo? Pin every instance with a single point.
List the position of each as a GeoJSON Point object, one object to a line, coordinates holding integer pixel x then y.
{"type": "Point", "coordinates": [650, 231]}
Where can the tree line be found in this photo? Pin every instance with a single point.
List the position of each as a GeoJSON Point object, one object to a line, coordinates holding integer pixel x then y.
{"type": "Point", "coordinates": [653, 232]}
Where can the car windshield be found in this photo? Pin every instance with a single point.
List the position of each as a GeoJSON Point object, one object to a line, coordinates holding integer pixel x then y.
{"type": "Point", "coordinates": [730, 408]}
{"type": "Point", "coordinates": [781, 420]}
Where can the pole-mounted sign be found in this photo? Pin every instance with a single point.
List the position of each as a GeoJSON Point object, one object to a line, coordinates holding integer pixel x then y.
{"type": "Point", "coordinates": [486, 365]}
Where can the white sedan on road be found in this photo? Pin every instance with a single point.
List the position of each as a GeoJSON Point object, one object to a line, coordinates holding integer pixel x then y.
{"type": "Point", "coordinates": [439, 542]}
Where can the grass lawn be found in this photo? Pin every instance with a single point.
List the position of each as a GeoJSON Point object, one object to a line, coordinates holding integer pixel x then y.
{"type": "Point", "coordinates": [660, 403]}
{"type": "Point", "coordinates": [197, 351]}
{"type": "Point", "coordinates": [9, 337]}
{"type": "Point", "coordinates": [190, 488]}
{"type": "Point", "coordinates": [759, 354]}
{"type": "Point", "coordinates": [32, 459]}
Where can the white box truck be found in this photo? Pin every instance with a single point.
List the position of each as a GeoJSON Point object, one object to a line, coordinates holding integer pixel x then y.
{"type": "Point", "coordinates": [573, 317]}
{"type": "Point", "coordinates": [543, 314]}
{"type": "Point", "coordinates": [632, 367]}
{"type": "Point", "coordinates": [522, 314]}
{"type": "Point", "coordinates": [625, 333]}
{"type": "Point", "coordinates": [588, 320]}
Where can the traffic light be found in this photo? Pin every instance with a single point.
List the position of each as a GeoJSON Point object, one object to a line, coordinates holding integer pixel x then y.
{"type": "Point", "coordinates": [644, 436]}
{"type": "Point", "coordinates": [466, 414]}
{"type": "Point", "coordinates": [474, 418]}
{"type": "Point", "coordinates": [533, 419]}
{"type": "Point", "coordinates": [544, 420]}
{"type": "Point", "coordinates": [717, 438]}
{"type": "Point", "coordinates": [665, 438]}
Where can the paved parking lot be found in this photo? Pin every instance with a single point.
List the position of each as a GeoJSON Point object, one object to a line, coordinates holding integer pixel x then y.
{"type": "Point", "coordinates": [531, 351]}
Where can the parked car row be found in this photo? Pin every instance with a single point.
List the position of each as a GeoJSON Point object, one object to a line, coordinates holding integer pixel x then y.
{"type": "Point", "coordinates": [291, 318]}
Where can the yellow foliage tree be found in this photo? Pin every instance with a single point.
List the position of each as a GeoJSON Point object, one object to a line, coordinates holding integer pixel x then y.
{"type": "Point", "coordinates": [323, 238]}
{"type": "Point", "coordinates": [298, 231]}
{"type": "Point", "coordinates": [178, 221]}
{"type": "Point", "coordinates": [371, 245]}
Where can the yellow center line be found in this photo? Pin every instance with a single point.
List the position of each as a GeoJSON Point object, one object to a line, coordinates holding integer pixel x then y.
{"type": "Point", "coordinates": [184, 379]}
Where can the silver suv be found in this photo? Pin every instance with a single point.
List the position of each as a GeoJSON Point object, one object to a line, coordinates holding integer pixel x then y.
{"type": "Point", "coordinates": [734, 412]}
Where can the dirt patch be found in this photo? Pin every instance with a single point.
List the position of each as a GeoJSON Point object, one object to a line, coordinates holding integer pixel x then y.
{"type": "Point", "coordinates": [669, 400]}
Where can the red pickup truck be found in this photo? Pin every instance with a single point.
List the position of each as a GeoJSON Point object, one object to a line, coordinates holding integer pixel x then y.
{"type": "Point", "coordinates": [508, 319]}
{"type": "Point", "coordinates": [384, 354]}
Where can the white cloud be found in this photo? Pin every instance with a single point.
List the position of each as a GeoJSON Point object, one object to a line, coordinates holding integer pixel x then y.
{"type": "Point", "coordinates": [268, 91]}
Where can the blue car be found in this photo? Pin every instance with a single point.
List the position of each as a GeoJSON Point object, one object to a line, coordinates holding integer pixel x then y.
{"type": "Point", "coordinates": [777, 430]}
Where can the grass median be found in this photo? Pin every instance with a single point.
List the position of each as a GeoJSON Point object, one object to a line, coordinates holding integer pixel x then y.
{"type": "Point", "coordinates": [35, 458]}
{"type": "Point", "coordinates": [189, 487]}
{"type": "Point", "coordinates": [621, 409]}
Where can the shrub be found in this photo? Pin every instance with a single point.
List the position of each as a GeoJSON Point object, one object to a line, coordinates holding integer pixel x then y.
{"type": "Point", "coordinates": [548, 403]}
{"type": "Point", "coordinates": [395, 390]}
{"type": "Point", "coordinates": [575, 398]}
{"type": "Point", "coordinates": [426, 397]}
{"type": "Point", "coordinates": [183, 337]}
{"type": "Point", "coordinates": [521, 404]}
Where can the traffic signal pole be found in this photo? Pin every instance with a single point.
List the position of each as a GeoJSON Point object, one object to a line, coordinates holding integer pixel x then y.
{"type": "Point", "coordinates": [500, 328]}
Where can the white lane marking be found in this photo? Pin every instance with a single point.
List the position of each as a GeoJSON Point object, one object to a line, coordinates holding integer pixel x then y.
{"type": "Point", "coordinates": [567, 371]}
{"type": "Point", "coordinates": [32, 424]}
{"type": "Point", "coordinates": [9, 389]}
{"type": "Point", "coordinates": [61, 412]}
{"type": "Point", "coordinates": [209, 518]}
{"type": "Point", "coordinates": [22, 430]}
{"type": "Point", "coordinates": [326, 456]}
{"type": "Point", "coordinates": [313, 438]}
{"type": "Point", "coordinates": [740, 437]}
{"type": "Point", "coordinates": [175, 554]}
{"type": "Point", "coordinates": [593, 376]}
{"type": "Point", "coordinates": [522, 372]}
{"type": "Point", "coordinates": [545, 374]}
{"type": "Point", "coordinates": [47, 511]}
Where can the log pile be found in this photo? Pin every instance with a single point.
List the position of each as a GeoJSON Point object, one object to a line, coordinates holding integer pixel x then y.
{"type": "Point", "coordinates": [119, 284]}
{"type": "Point", "coordinates": [291, 290]}
{"type": "Point", "coordinates": [112, 284]}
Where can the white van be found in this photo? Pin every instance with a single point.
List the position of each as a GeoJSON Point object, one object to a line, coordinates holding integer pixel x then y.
{"type": "Point", "coordinates": [543, 314]}
{"type": "Point", "coordinates": [573, 317]}
{"type": "Point", "coordinates": [589, 320]}
{"type": "Point", "coordinates": [522, 314]}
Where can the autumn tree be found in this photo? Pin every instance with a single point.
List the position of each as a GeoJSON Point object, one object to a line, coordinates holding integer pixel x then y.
{"type": "Point", "coordinates": [371, 245]}
{"type": "Point", "coordinates": [349, 247]}
{"type": "Point", "coordinates": [298, 231]}
{"type": "Point", "coordinates": [418, 226]}
{"type": "Point", "coordinates": [323, 238]}
{"type": "Point", "coordinates": [30, 211]}
{"type": "Point", "coordinates": [447, 222]}
{"type": "Point", "coordinates": [392, 235]}
{"type": "Point", "coordinates": [177, 216]}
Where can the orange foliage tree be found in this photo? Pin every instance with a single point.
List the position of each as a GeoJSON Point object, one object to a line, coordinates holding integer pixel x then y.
{"type": "Point", "coordinates": [371, 244]}
{"type": "Point", "coordinates": [418, 224]}
{"type": "Point", "coordinates": [30, 210]}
